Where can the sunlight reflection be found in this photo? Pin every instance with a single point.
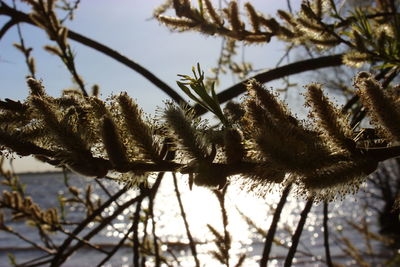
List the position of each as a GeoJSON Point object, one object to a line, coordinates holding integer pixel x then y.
{"type": "Point", "coordinates": [202, 208]}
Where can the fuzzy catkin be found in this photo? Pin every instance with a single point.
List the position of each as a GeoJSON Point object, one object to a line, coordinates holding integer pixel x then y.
{"type": "Point", "coordinates": [267, 100]}
{"type": "Point", "coordinates": [252, 14]}
{"type": "Point", "coordinates": [183, 131]}
{"type": "Point", "coordinates": [233, 16]}
{"type": "Point", "coordinates": [36, 88]}
{"type": "Point", "coordinates": [137, 128]}
{"type": "Point", "coordinates": [59, 129]}
{"type": "Point", "coordinates": [342, 173]}
{"type": "Point", "coordinates": [382, 110]}
{"type": "Point", "coordinates": [234, 150]}
{"type": "Point", "coordinates": [329, 117]}
{"type": "Point", "coordinates": [116, 151]}
{"type": "Point", "coordinates": [212, 13]}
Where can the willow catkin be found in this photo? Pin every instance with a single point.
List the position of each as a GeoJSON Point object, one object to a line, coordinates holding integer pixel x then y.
{"type": "Point", "coordinates": [329, 117]}
{"type": "Point", "coordinates": [140, 131]}
{"type": "Point", "coordinates": [342, 173]}
{"type": "Point", "coordinates": [265, 173]}
{"type": "Point", "coordinates": [267, 100]}
{"type": "Point", "coordinates": [355, 59]}
{"type": "Point", "coordinates": [325, 41]}
{"type": "Point", "coordinates": [233, 111]}
{"type": "Point", "coordinates": [36, 88]}
{"type": "Point", "coordinates": [60, 129]}
{"type": "Point", "coordinates": [177, 23]}
{"type": "Point", "coordinates": [309, 27]}
{"type": "Point", "coordinates": [213, 13]}
{"type": "Point", "coordinates": [234, 150]}
{"type": "Point", "coordinates": [182, 130]}
{"type": "Point", "coordinates": [268, 139]}
{"type": "Point", "coordinates": [116, 151]}
{"type": "Point", "coordinates": [271, 24]}
{"type": "Point", "coordinates": [253, 17]}
{"type": "Point", "coordinates": [287, 17]}
{"type": "Point", "coordinates": [234, 18]}
{"type": "Point", "coordinates": [380, 107]}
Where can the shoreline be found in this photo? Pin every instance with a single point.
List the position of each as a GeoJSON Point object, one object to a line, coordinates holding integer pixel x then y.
{"type": "Point", "coordinates": [41, 172]}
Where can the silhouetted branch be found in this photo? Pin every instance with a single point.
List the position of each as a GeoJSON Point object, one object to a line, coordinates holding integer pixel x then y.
{"type": "Point", "coordinates": [83, 225]}
{"type": "Point", "coordinates": [58, 261]}
{"type": "Point", "coordinates": [183, 215]}
{"type": "Point", "coordinates": [135, 224]}
{"type": "Point", "coordinates": [7, 26]}
{"type": "Point", "coordinates": [117, 246]}
{"type": "Point", "coordinates": [277, 73]}
{"type": "Point", "coordinates": [326, 236]}
{"type": "Point", "coordinates": [153, 228]}
{"type": "Point", "coordinates": [269, 239]}
{"type": "Point", "coordinates": [25, 239]}
{"type": "Point", "coordinates": [297, 233]}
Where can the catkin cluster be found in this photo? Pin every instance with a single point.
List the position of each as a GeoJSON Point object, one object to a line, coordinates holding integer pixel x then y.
{"type": "Point", "coordinates": [260, 143]}
{"type": "Point", "coordinates": [367, 34]}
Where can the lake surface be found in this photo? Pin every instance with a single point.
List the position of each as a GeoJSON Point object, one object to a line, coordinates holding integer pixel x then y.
{"type": "Point", "coordinates": [202, 208]}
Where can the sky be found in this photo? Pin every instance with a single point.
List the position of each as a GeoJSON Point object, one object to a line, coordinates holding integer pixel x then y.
{"type": "Point", "coordinates": [128, 27]}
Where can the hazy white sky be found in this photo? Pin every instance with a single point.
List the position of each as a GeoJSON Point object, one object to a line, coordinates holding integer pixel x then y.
{"type": "Point", "coordinates": [125, 26]}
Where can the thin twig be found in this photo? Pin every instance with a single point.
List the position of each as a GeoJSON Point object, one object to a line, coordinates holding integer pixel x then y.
{"type": "Point", "coordinates": [116, 247]}
{"type": "Point", "coordinates": [326, 236]}
{"type": "Point", "coordinates": [32, 261]}
{"type": "Point", "coordinates": [39, 247]}
{"type": "Point", "coordinates": [99, 182]}
{"type": "Point", "coordinates": [95, 231]}
{"type": "Point", "coordinates": [153, 230]}
{"type": "Point", "coordinates": [40, 263]}
{"type": "Point", "coordinates": [26, 53]}
{"type": "Point", "coordinates": [289, 6]}
{"type": "Point", "coordinates": [227, 239]}
{"type": "Point", "coordinates": [84, 224]}
{"type": "Point", "coordinates": [297, 233]}
{"type": "Point", "coordinates": [272, 229]}
{"type": "Point", "coordinates": [183, 215]}
{"type": "Point", "coordinates": [151, 193]}
{"type": "Point", "coordinates": [136, 244]}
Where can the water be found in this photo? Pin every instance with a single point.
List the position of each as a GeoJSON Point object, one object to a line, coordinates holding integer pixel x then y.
{"type": "Point", "coordinates": [202, 208]}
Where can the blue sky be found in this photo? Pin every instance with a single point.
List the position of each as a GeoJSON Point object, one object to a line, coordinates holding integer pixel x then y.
{"type": "Point", "coordinates": [126, 26]}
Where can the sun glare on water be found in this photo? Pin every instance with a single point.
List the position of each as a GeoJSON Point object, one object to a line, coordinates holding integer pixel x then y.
{"type": "Point", "coordinates": [203, 209]}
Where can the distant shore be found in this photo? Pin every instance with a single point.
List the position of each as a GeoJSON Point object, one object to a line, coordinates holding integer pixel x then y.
{"type": "Point", "coordinates": [56, 171]}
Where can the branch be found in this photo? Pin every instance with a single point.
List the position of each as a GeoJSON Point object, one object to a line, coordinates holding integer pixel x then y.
{"type": "Point", "coordinates": [382, 154]}
{"type": "Point", "coordinates": [32, 243]}
{"type": "Point", "coordinates": [274, 74]}
{"type": "Point", "coordinates": [18, 16]}
{"type": "Point", "coordinates": [83, 225]}
{"type": "Point", "coordinates": [297, 233]}
{"type": "Point", "coordinates": [119, 245]}
{"type": "Point", "coordinates": [152, 195]}
{"type": "Point", "coordinates": [7, 26]}
{"type": "Point", "coordinates": [326, 236]}
{"type": "Point", "coordinates": [59, 261]}
{"type": "Point", "coordinates": [269, 239]}
{"type": "Point", "coordinates": [135, 225]}
{"type": "Point", "coordinates": [192, 245]}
